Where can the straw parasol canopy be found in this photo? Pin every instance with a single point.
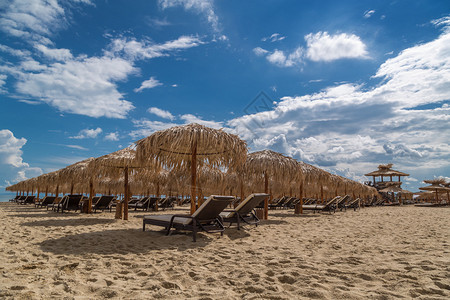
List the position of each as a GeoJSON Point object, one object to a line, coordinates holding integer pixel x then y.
{"type": "Point", "coordinates": [113, 165]}
{"type": "Point", "coordinates": [271, 164]}
{"type": "Point", "coordinates": [437, 186]}
{"type": "Point", "coordinates": [190, 146]}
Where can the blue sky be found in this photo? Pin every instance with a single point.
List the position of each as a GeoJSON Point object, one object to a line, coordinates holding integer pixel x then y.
{"type": "Point", "coordinates": [344, 85]}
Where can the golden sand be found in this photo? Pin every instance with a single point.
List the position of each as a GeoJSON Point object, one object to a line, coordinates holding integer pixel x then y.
{"type": "Point", "coordinates": [373, 253]}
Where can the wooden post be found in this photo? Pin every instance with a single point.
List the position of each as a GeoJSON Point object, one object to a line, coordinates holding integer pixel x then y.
{"type": "Point", "coordinates": [193, 176]}
{"type": "Point", "coordinates": [242, 190]}
{"type": "Point", "coordinates": [299, 206]}
{"type": "Point", "coordinates": [57, 191]}
{"type": "Point", "coordinates": [38, 190]}
{"type": "Point", "coordinates": [71, 188]}
{"type": "Point", "coordinates": [91, 191]}
{"type": "Point", "coordinates": [157, 196]}
{"type": "Point", "coordinates": [321, 193]}
{"type": "Point", "coordinates": [127, 196]}
{"type": "Point", "coordinates": [46, 191]}
{"type": "Point", "coordinates": [266, 201]}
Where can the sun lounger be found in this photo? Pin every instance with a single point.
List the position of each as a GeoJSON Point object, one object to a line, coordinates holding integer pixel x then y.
{"type": "Point", "coordinates": [27, 200]}
{"type": "Point", "coordinates": [140, 203]}
{"type": "Point", "coordinates": [205, 218]}
{"type": "Point", "coordinates": [103, 202]}
{"type": "Point", "coordinates": [68, 202]}
{"type": "Point", "coordinates": [244, 212]}
{"type": "Point", "coordinates": [330, 206]}
{"type": "Point", "coordinates": [167, 203]}
{"type": "Point", "coordinates": [341, 202]}
{"type": "Point", "coordinates": [355, 204]}
{"type": "Point", "coordinates": [45, 201]}
{"type": "Point", "coordinates": [15, 199]}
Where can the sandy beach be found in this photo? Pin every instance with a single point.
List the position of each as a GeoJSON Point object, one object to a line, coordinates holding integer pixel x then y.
{"type": "Point", "coordinates": [373, 253]}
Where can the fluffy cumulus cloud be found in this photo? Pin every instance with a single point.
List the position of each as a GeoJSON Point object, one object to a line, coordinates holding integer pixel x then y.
{"type": "Point", "coordinates": [34, 21]}
{"type": "Point", "coordinates": [148, 84]}
{"type": "Point", "coordinates": [145, 127]}
{"type": "Point", "coordinates": [88, 133]}
{"type": "Point", "coordinates": [12, 166]}
{"type": "Point", "coordinates": [75, 84]}
{"type": "Point", "coordinates": [204, 7]}
{"type": "Point", "coordinates": [320, 46]}
{"type": "Point", "coordinates": [112, 136]}
{"type": "Point", "coordinates": [349, 129]}
{"type": "Point", "coordinates": [161, 113]}
{"type": "Point", "coordinates": [325, 47]}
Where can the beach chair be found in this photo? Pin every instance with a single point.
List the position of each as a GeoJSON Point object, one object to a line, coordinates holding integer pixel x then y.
{"type": "Point", "coordinates": [103, 202]}
{"type": "Point", "coordinates": [27, 200]}
{"type": "Point", "coordinates": [140, 203]}
{"type": "Point", "coordinates": [244, 212]}
{"type": "Point", "coordinates": [68, 202]}
{"type": "Point", "coordinates": [45, 201]}
{"type": "Point", "coordinates": [205, 218]}
{"type": "Point", "coordinates": [148, 204]}
{"type": "Point", "coordinates": [15, 199]}
{"type": "Point", "coordinates": [20, 199]}
{"type": "Point", "coordinates": [167, 203]}
{"type": "Point", "coordinates": [330, 206]}
{"type": "Point", "coordinates": [355, 204]}
{"type": "Point", "coordinates": [341, 203]}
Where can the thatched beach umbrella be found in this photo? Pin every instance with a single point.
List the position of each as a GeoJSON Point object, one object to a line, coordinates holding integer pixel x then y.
{"type": "Point", "coordinates": [113, 165]}
{"type": "Point", "coordinates": [189, 146]}
{"type": "Point", "coordinates": [436, 187]}
{"type": "Point", "coordinates": [75, 173]}
{"type": "Point", "coordinates": [274, 165]}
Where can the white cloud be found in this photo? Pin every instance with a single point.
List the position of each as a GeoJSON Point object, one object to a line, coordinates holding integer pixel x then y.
{"type": "Point", "coordinates": [113, 136]}
{"type": "Point", "coordinates": [161, 113]}
{"type": "Point", "coordinates": [33, 21]}
{"type": "Point", "coordinates": [134, 49]}
{"type": "Point", "coordinates": [189, 118]}
{"type": "Point", "coordinates": [200, 6]}
{"type": "Point", "coordinates": [148, 84]}
{"type": "Point", "coordinates": [260, 51]}
{"type": "Point", "coordinates": [3, 78]}
{"type": "Point", "coordinates": [368, 13]}
{"type": "Point", "coordinates": [324, 47]}
{"type": "Point", "coordinates": [54, 54]}
{"type": "Point", "coordinates": [88, 133]}
{"type": "Point", "coordinates": [81, 86]}
{"type": "Point", "coordinates": [147, 127]}
{"type": "Point", "coordinates": [280, 59]}
{"type": "Point", "coordinates": [10, 149]}
{"type": "Point", "coordinates": [12, 166]}
{"type": "Point", "coordinates": [78, 147]}
{"type": "Point", "coordinates": [273, 38]}
{"type": "Point", "coordinates": [350, 129]}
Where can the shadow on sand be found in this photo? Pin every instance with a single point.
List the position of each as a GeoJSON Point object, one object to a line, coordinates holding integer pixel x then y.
{"type": "Point", "coordinates": [124, 241]}
{"type": "Point", "coordinates": [68, 222]}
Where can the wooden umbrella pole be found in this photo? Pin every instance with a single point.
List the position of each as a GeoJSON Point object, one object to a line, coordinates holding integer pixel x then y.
{"type": "Point", "coordinates": [321, 194]}
{"type": "Point", "coordinates": [266, 201]}
{"type": "Point", "coordinates": [157, 196]}
{"type": "Point", "coordinates": [193, 176]}
{"type": "Point", "coordinates": [91, 191]}
{"type": "Point", "coordinates": [242, 190]}
{"type": "Point", "coordinates": [127, 196]}
{"type": "Point", "coordinates": [38, 192]}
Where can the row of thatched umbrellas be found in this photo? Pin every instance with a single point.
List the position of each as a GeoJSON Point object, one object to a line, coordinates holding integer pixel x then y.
{"type": "Point", "coordinates": [195, 157]}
